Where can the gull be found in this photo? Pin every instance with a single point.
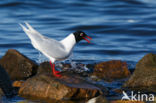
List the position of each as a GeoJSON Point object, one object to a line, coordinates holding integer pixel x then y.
{"type": "Point", "coordinates": [53, 49]}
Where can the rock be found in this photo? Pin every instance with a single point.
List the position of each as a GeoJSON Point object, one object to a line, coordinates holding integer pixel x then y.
{"type": "Point", "coordinates": [46, 101]}
{"type": "Point", "coordinates": [45, 86]}
{"type": "Point", "coordinates": [17, 83]}
{"type": "Point", "coordinates": [78, 68]}
{"type": "Point", "coordinates": [111, 70]}
{"type": "Point", "coordinates": [44, 68]}
{"type": "Point", "coordinates": [144, 76]}
{"type": "Point", "coordinates": [126, 101]}
{"type": "Point", "coordinates": [1, 92]}
{"type": "Point", "coordinates": [118, 90]}
{"type": "Point", "coordinates": [6, 84]}
{"type": "Point", "coordinates": [99, 99]}
{"type": "Point", "coordinates": [154, 100]}
{"type": "Point", "coordinates": [18, 66]}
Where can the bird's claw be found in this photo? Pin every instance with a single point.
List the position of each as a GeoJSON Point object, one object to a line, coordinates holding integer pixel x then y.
{"type": "Point", "coordinates": [57, 74]}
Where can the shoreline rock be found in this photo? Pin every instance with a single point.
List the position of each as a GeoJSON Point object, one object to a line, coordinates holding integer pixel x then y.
{"type": "Point", "coordinates": [144, 76]}
{"type": "Point", "coordinates": [6, 87]}
{"type": "Point", "coordinates": [41, 84]}
{"type": "Point", "coordinates": [111, 70]}
{"type": "Point", "coordinates": [18, 66]}
{"type": "Point", "coordinates": [98, 99]}
{"type": "Point", "coordinates": [65, 88]}
{"type": "Point", "coordinates": [126, 101]}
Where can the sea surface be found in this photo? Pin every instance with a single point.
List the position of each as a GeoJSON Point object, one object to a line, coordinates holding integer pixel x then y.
{"type": "Point", "coordinates": [121, 29]}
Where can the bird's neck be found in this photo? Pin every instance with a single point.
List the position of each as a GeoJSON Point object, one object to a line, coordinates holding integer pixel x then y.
{"type": "Point", "coordinates": [69, 42]}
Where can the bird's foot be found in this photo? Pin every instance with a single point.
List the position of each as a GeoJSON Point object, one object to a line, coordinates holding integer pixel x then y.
{"type": "Point", "coordinates": [57, 74]}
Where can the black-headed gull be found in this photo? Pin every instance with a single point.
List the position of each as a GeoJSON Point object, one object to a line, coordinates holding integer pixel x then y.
{"type": "Point", "coordinates": [53, 49]}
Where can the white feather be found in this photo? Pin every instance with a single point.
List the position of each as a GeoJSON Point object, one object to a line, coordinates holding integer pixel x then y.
{"type": "Point", "coordinates": [53, 49]}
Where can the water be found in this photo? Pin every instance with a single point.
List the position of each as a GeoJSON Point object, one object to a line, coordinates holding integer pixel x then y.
{"type": "Point", "coordinates": [121, 29]}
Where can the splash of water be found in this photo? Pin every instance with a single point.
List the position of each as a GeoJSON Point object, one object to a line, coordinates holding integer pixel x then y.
{"type": "Point", "coordinates": [41, 58]}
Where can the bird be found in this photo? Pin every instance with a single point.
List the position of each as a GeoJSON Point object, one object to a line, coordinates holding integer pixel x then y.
{"type": "Point", "coordinates": [53, 49]}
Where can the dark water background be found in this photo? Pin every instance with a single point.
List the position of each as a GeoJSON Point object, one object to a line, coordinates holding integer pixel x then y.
{"type": "Point", "coordinates": [121, 29]}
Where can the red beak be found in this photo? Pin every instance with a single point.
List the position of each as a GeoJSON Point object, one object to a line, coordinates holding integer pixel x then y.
{"type": "Point", "coordinates": [87, 39]}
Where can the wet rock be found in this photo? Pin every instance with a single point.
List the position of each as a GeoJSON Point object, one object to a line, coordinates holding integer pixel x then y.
{"type": "Point", "coordinates": [111, 70]}
{"type": "Point", "coordinates": [6, 84]}
{"type": "Point", "coordinates": [1, 92]}
{"type": "Point", "coordinates": [118, 90]}
{"type": "Point", "coordinates": [144, 76]}
{"type": "Point", "coordinates": [47, 101]}
{"type": "Point", "coordinates": [77, 68]}
{"type": "Point", "coordinates": [94, 78]}
{"type": "Point", "coordinates": [125, 101]}
{"type": "Point", "coordinates": [44, 68]}
{"type": "Point", "coordinates": [99, 99]}
{"type": "Point", "coordinates": [154, 100]}
{"type": "Point", "coordinates": [17, 83]}
{"type": "Point", "coordinates": [18, 66]}
{"type": "Point", "coordinates": [67, 87]}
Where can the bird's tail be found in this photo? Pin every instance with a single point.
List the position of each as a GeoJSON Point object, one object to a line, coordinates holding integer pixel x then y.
{"type": "Point", "coordinates": [30, 31]}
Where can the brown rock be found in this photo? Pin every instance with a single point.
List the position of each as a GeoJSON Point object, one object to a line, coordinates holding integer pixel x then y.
{"type": "Point", "coordinates": [17, 83]}
{"type": "Point", "coordinates": [67, 87]}
{"type": "Point", "coordinates": [6, 84]}
{"type": "Point", "coordinates": [18, 66]}
{"type": "Point", "coordinates": [118, 90]}
{"type": "Point", "coordinates": [124, 101]}
{"type": "Point", "coordinates": [44, 68]}
{"type": "Point", "coordinates": [111, 70]}
{"type": "Point", "coordinates": [144, 76]}
{"type": "Point", "coordinates": [48, 101]}
{"type": "Point", "coordinates": [154, 100]}
{"type": "Point", "coordinates": [99, 99]}
{"type": "Point", "coordinates": [1, 92]}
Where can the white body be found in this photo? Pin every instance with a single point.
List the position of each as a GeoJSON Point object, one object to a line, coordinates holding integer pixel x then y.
{"type": "Point", "coordinates": [53, 49]}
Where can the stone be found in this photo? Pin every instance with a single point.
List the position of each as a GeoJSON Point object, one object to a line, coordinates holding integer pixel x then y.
{"type": "Point", "coordinates": [99, 99]}
{"type": "Point", "coordinates": [6, 84]}
{"type": "Point", "coordinates": [17, 84]}
{"type": "Point", "coordinates": [111, 70]}
{"type": "Point", "coordinates": [1, 92]}
{"type": "Point", "coordinates": [154, 100]}
{"type": "Point", "coordinates": [46, 101]}
{"type": "Point", "coordinates": [144, 76]}
{"type": "Point", "coordinates": [126, 101]}
{"type": "Point", "coordinates": [46, 86]}
{"type": "Point", "coordinates": [18, 66]}
{"type": "Point", "coordinates": [44, 68]}
{"type": "Point", "coordinates": [118, 90]}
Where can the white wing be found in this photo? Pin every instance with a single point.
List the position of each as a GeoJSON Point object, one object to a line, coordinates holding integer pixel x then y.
{"type": "Point", "coordinates": [49, 47]}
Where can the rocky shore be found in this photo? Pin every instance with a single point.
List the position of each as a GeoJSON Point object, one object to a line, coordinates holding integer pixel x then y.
{"type": "Point", "coordinates": [33, 81]}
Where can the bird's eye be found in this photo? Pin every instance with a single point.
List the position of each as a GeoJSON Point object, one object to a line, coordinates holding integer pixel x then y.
{"type": "Point", "coordinates": [81, 34]}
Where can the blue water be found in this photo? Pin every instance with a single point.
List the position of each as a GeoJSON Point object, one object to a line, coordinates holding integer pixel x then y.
{"type": "Point", "coordinates": [121, 29]}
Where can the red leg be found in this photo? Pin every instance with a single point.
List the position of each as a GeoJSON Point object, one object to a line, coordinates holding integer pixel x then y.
{"type": "Point", "coordinates": [55, 73]}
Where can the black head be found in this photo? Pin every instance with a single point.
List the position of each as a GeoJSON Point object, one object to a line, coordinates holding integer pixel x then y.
{"type": "Point", "coordinates": [80, 35]}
